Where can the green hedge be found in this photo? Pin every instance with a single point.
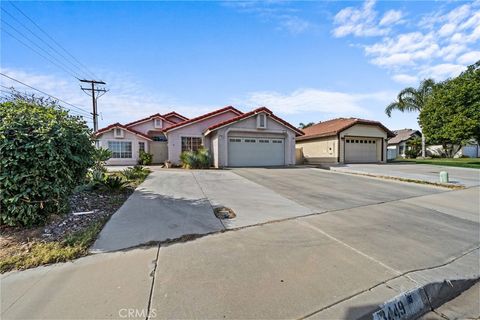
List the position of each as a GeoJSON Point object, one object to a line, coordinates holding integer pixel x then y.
{"type": "Point", "coordinates": [45, 153]}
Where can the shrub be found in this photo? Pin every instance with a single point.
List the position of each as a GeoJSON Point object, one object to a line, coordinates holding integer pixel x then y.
{"type": "Point", "coordinates": [199, 159]}
{"type": "Point", "coordinates": [45, 154]}
{"type": "Point", "coordinates": [136, 172]}
{"type": "Point", "coordinates": [114, 183]}
{"type": "Point", "coordinates": [145, 158]}
{"type": "Point", "coordinates": [100, 156]}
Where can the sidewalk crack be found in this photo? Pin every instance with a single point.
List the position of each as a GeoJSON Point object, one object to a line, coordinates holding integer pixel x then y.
{"type": "Point", "coordinates": [152, 274]}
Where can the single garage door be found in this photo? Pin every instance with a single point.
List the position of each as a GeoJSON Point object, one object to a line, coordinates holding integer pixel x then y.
{"type": "Point", "coordinates": [255, 151]}
{"type": "Point", "coordinates": [358, 150]}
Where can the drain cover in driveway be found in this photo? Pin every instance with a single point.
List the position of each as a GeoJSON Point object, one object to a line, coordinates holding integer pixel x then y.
{"type": "Point", "coordinates": [224, 213]}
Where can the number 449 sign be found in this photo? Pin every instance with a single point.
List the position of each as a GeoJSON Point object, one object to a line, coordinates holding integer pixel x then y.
{"type": "Point", "coordinates": [405, 306]}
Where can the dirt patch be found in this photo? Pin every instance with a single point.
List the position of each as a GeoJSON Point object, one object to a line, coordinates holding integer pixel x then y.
{"type": "Point", "coordinates": [224, 213]}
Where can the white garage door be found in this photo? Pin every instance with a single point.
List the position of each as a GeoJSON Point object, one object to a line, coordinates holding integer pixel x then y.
{"type": "Point", "coordinates": [360, 149]}
{"type": "Point", "coordinates": [255, 151]}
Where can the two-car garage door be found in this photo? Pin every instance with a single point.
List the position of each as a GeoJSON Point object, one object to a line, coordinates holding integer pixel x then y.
{"type": "Point", "coordinates": [358, 150]}
{"type": "Point", "coordinates": [256, 151]}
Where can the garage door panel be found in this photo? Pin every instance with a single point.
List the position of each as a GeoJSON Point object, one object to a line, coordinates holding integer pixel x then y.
{"type": "Point", "coordinates": [255, 151]}
{"type": "Point", "coordinates": [361, 150]}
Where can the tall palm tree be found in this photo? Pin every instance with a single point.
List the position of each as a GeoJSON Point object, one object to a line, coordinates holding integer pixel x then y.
{"type": "Point", "coordinates": [412, 100]}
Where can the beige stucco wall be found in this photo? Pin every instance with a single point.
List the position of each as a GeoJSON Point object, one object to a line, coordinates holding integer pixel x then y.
{"type": "Point", "coordinates": [247, 128]}
{"type": "Point", "coordinates": [193, 130]}
{"type": "Point", "coordinates": [320, 150]}
{"type": "Point", "coordinates": [365, 131]}
{"type": "Point", "coordinates": [135, 139]}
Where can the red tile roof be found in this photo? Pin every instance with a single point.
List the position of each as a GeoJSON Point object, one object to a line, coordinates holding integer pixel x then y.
{"type": "Point", "coordinates": [156, 115]}
{"type": "Point", "coordinates": [118, 125]}
{"type": "Point", "coordinates": [173, 113]}
{"type": "Point", "coordinates": [204, 116]}
{"type": "Point", "coordinates": [335, 126]}
{"type": "Point", "coordinates": [251, 113]}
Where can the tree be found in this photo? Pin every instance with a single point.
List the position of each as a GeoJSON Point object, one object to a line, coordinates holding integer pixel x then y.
{"type": "Point", "coordinates": [414, 146]}
{"type": "Point", "coordinates": [45, 154]}
{"type": "Point", "coordinates": [451, 116]}
{"type": "Point", "coordinates": [303, 126]}
{"type": "Point", "coordinates": [412, 100]}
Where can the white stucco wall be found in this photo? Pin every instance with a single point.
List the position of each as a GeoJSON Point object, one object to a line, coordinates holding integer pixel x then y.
{"type": "Point", "coordinates": [193, 130]}
{"type": "Point", "coordinates": [365, 131]}
{"type": "Point", "coordinates": [248, 127]}
{"type": "Point", "coordinates": [135, 139]}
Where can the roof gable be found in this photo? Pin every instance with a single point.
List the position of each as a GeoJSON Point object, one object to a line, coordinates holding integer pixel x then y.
{"type": "Point", "coordinates": [403, 135]}
{"type": "Point", "coordinates": [335, 126]}
{"type": "Point", "coordinates": [153, 116]}
{"type": "Point", "coordinates": [202, 117]}
{"type": "Point", "coordinates": [174, 114]}
{"type": "Point", "coordinates": [252, 113]}
{"type": "Point", "coordinates": [118, 125]}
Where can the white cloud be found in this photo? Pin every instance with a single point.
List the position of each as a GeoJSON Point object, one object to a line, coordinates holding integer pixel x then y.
{"type": "Point", "coordinates": [294, 24]}
{"type": "Point", "coordinates": [469, 58]}
{"type": "Point", "coordinates": [391, 17]}
{"type": "Point", "coordinates": [443, 71]}
{"type": "Point", "coordinates": [405, 79]}
{"type": "Point", "coordinates": [316, 100]}
{"type": "Point", "coordinates": [444, 42]}
{"type": "Point", "coordinates": [361, 21]}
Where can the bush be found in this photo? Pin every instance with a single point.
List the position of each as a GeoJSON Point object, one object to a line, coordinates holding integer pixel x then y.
{"type": "Point", "coordinates": [145, 158]}
{"type": "Point", "coordinates": [45, 154]}
{"type": "Point", "coordinates": [136, 172]}
{"type": "Point", "coordinates": [114, 183]}
{"type": "Point", "coordinates": [199, 159]}
{"type": "Point", "coordinates": [100, 156]}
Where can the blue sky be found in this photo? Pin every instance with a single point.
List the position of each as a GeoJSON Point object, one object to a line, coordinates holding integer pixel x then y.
{"type": "Point", "coordinates": [306, 61]}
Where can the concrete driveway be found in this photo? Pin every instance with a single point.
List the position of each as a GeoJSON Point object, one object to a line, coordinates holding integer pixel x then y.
{"type": "Point", "coordinates": [461, 176]}
{"type": "Point", "coordinates": [371, 240]}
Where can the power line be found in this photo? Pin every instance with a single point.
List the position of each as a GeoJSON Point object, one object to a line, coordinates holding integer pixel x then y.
{"type": "Point", "coordinates": [43, 92]}
{"type": "Point", "coordinates": [41, 40]}
{"type": "Point", "coordinates": [59, 64]}
{"type": "Point", "coordinates": [53, 40]}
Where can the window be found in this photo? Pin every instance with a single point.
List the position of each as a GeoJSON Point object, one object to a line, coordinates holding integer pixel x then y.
{"type": "Point", "coordinates": [158, 123]}
{"type": "Point", "coordinates": [356, 141]}
{"type": "Point", "coordinates": [277, 141]}
{"type": "Point", "coordinates": [262, 121]}
{"type": "Point", "coordinates": [263, 141]}
{"type": "Point", "coordinates": [141, 147]}
{"type": "Point", "coordinates": [120, 149]}
{"type": "Point", "coordinates": [250, 140]}
{"type": "Point", "coordinates": [373, 141]}
{"type": "Point", "coordinates": [191, 143]}
{"type": "Point", "coordinates": [235, 140]}
{"type": "Point", "coordinates": [118, 133]}
{"type": "Point", "coordinates": [348, 141]}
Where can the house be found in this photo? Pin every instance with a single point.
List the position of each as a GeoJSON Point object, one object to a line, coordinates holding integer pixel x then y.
{"type": "Point", "coordinates": [344, 140]}
{"type": "Point", "coordinates": [397, 146]}
{"type": "Point", "coordinates": [234, 138]}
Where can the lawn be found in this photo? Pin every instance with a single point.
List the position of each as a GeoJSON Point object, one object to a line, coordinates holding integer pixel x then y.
{"type": "Point", "coordinates": [458, 162]}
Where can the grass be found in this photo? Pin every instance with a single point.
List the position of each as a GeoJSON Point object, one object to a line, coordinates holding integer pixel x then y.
{"type": "Point", "coordinates": [457, 162]}
{"type": "Point", "coordinates": [41, 253]}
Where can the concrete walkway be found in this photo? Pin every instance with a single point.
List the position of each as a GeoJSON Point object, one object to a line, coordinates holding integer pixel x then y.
{"type": "Point", "coordinates": [430, 173]}
{"type": "Point", "coordinates": [174, 203]}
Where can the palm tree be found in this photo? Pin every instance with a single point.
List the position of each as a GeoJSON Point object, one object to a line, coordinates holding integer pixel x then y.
{"type": "Point", "coordinates": [412, 100]}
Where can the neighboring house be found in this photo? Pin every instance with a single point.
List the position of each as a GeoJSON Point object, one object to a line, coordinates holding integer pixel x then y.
{"type": "Point", "coordinates": [256, 138]}
{"type": "Point", "coordinates": [344, 140]}
{"type": "Point", "coordinates": [397, 146]}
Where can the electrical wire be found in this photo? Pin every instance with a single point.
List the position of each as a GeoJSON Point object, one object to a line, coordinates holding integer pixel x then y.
{"type": "Point", "coordinates": [41, 40]}
{"type": "Point", "coordinates": [54, 61]}
{"type": "Point", "coordinates": [43, 92]}
{"type": "Point", "coordinates": [53, 40]}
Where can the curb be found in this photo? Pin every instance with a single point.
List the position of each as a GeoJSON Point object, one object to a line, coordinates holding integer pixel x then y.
{"type": "Point", "coordinates": [419, 301]}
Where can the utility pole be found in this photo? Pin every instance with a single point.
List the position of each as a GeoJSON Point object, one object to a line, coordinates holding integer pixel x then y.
{"type": "Point", "coordinates": [93, 89]}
